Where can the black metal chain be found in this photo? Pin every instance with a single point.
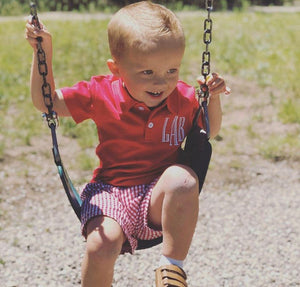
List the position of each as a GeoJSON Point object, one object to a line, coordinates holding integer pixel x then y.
{"type": "Point", "coordinates": [51, 116]}
{"type": "Point", "coordinates": [207, 38]}
{"type": "Point", "coordinates": [203, 92]}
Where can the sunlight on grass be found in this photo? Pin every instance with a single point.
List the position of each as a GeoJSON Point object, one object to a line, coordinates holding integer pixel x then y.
{"type": "Point", "coordinates": [87, 162]}
{"type": "Point", "coordinates": [82, 55]}
{"type": "Point", "coordinates": [259, 47]}
{"type": "Point", "coordinates": [290, 111]}
{"type": "Point", "coordinates": [279, 147]}
{"type": "Point", "coordinates": [85, 133]}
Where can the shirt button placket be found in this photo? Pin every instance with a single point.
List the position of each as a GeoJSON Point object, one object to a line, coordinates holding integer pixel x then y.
{"type": "Point", "coordinates": [150, 125]}
{"type": "Point", "coordinates": [149, 131]}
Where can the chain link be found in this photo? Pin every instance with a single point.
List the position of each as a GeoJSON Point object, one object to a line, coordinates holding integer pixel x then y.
{"type": "Point", "coordinates": [51, 116]}
{"type": "Point", "coordinates": [203, 91]}
{"type": "Point", "coordinates": [207, 39]}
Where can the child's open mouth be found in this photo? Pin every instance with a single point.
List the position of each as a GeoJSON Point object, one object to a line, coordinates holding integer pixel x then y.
{"type": "Point", "coordinates": [155, 94]}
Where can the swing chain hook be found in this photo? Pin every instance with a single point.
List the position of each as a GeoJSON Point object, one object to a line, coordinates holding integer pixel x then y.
{"type": "Point", "coordinates": [51, 116]}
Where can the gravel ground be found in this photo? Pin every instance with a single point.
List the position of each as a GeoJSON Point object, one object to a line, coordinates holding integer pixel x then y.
{"type": "Point", "coordinates": [247, 234]}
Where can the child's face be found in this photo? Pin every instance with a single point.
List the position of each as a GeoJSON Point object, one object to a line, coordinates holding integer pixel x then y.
{"type": "Point", "coordinates": [151, 77]}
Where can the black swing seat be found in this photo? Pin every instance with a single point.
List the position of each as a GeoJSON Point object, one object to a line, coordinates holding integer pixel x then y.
{"type": "Point", "coordinates": [197, 153]}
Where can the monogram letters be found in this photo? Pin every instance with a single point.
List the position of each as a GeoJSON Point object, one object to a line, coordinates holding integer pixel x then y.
{"type": "Point", "coordinates": [173, 133]}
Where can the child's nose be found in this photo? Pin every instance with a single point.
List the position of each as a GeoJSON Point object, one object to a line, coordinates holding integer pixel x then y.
{"type": "Point", "coordinates": [159, 80]}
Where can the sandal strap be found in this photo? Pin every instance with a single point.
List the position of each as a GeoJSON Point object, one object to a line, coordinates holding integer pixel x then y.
{"type": "Point", "coordinates": [170, 276]}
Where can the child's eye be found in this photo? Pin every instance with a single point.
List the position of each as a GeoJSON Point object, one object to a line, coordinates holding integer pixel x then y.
{"type": "Point", "coordinates": [148, 72]}
{"type": "Point", "coordinates": [172, 71]}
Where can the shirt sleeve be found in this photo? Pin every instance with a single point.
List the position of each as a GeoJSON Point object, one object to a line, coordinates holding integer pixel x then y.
{"type": "Point", "coordinates": [79, 100]}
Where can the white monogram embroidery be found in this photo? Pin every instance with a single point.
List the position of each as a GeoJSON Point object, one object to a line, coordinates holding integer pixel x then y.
{"type": "Point", "coordinates": [173, 133]}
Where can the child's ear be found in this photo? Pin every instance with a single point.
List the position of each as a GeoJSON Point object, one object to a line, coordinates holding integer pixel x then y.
{"type": "Point", "coordinates": [113, 67]}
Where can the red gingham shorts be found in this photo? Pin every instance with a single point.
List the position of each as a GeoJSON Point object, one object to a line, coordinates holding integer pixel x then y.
{"type": "Point", "coordinates": [127, 205]}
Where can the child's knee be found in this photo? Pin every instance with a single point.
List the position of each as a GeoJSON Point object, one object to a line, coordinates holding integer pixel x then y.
{"type": "Point", "coordinates": [181, 178]}
{"type": "Point", "coordinates": [102, 249]}
{"type": "Point", "coordinates": [103, 246]}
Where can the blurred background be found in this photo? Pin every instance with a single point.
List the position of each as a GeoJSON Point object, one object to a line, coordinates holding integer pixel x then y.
{"type": "Point", "coordinates": [255, 47]}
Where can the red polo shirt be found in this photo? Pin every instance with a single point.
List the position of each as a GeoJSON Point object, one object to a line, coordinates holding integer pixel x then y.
{"type": "Point", "coordinates": [136, 144]}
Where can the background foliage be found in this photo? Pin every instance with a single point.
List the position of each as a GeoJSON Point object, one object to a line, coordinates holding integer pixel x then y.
{"type": "Point", "coordinates": [253, 54]}
{"type": "Point", "coordinates": [15, 7]}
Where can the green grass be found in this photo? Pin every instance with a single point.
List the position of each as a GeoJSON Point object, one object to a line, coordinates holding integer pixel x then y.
{"type": "Point", "coordinates": [259, 47]}
{"type": "Point", "coordinates": [289, 112]}
{"type": "Point", "coordinates": [86, 161]}
{"type": "Point", "coordinates": [85, 133]}
{"type": "Point", "coordinates": [280, 147]}
{"type": "Point", "coordinates": [262, 48]}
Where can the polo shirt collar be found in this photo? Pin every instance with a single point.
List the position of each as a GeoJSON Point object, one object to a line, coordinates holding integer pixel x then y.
{"type": "Point", "coordinates": [173, 102]}
{"type": "Point", "coordinates": [127, 102]}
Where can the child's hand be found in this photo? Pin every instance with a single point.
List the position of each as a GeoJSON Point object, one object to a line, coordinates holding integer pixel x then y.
{"type": "Point", "coordinates": [216, 84]}
{"type": "Point", "coordinates": [32, 33]}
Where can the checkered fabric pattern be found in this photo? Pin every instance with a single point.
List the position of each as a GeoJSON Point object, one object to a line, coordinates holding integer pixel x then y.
{"type": "Point", "coordinates": [127, 205]}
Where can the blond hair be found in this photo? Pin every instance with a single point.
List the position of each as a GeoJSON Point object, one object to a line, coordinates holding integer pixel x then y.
{"type": "Point", "coordinates": [142, 25]}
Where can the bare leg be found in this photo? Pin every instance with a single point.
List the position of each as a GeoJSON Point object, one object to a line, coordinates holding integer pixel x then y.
{"type": "Point", "coordinates": [174, 206]}
{"type": "Point", "coordinates": [104, 242]}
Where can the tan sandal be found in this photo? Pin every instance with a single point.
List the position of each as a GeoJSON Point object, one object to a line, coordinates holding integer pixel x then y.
{"type": "Point", "coordinates": [170, 275]}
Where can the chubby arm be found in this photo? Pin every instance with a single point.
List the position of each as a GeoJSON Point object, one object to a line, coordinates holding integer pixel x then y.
{"type": "Point", "coordinates": [216, 85]}
{"type": "Point", "coordinates": [36, 80]}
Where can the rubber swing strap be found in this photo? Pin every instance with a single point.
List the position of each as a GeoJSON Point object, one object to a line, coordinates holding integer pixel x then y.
{"type": "Point", "coordinates": [71, 192]}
